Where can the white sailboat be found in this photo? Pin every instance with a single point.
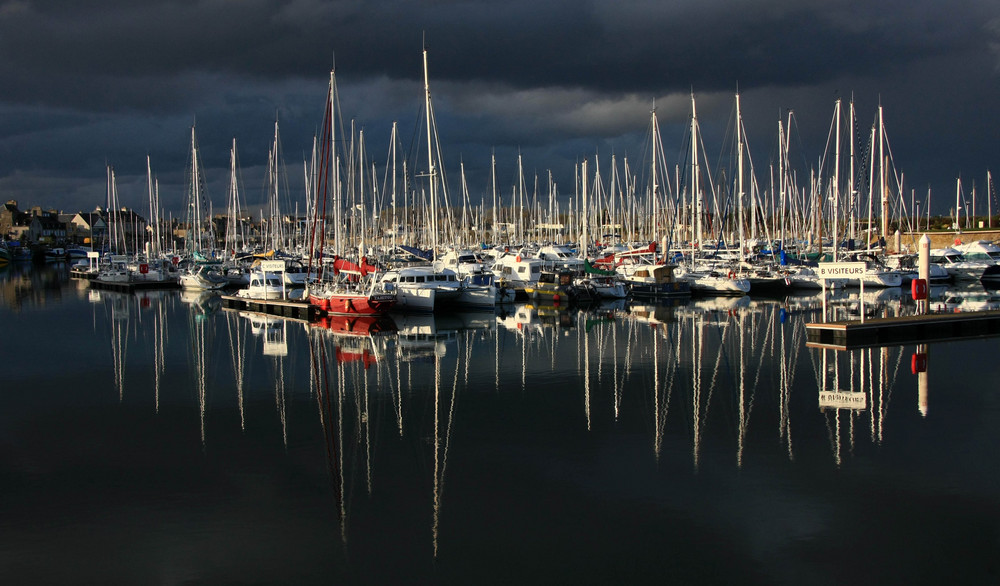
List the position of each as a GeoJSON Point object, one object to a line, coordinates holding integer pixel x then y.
{"type": "Point", "coordinates": [706, 277]}
{"type": "Point", "coordinates": [425, 287]}
{"type": "Point", "coordinates": [200, 274]}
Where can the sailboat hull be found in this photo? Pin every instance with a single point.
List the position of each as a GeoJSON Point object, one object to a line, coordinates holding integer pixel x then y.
{"type": "Point", "coordinates": [354, 303]}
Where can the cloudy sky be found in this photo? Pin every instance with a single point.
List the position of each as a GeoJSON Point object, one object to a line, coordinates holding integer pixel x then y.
{"type": "Point", "coordinates": [108, 82]}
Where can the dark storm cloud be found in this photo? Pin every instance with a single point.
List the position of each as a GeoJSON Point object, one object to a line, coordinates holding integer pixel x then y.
{"type": "Point", "coordinates": [605, 45]}
{"type": "Point", "coordinates": [111, 81]}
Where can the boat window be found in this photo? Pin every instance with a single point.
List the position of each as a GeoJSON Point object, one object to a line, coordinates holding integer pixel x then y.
{"type": "Point", "coordinates": [520, 270]}
{"type": "Point", "coordinates": [440, 277]}
{"type": "Point", "coordinates": [536, 269]}
{"type": "Point", "coordinates": [419, 279]}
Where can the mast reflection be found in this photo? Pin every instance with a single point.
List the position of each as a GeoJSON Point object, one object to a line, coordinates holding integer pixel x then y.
{"type": "Point", "coordinates": [699, 382]}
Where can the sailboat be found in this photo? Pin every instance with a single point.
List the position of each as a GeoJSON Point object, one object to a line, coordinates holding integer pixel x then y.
{"type": "Point", "coordinates": [425, 287]}
{"type": "Point", "coordinates": [644, 271]}
{"type": "Point", "coordinates": [706, 276]}
{"type": "Point", "coordinates": [343, 287]}
{"type": "Point", "coordinates": [234, 268]}
{"type": "Point", "coordinates": [354, 291]}
{"type": "Point", "coordinates": [201, 274]}
{"type": "Point", "coordinates": [590, 281]}
{"type": "Point", "coordinates": [153, 268]}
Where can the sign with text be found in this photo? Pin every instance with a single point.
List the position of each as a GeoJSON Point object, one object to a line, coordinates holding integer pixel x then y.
{"type": "Point", "coordinates": [840, 270]}
{"type": "Point", "coordinates": [843, 400]}
{"type": "Point", "coordinates": [276, 266]}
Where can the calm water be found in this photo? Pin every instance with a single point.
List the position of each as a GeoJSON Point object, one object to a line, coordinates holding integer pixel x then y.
{"type": "Point", "coordinates": [160, 439]}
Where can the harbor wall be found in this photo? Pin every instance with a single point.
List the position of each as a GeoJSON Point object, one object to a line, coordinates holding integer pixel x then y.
{"type": "Point", "coordinates": [909, 240]}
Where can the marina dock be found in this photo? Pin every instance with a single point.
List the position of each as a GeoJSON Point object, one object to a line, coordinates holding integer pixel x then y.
{"type": "Point", "coordinates": [295, 309]}
{"type": "Point", "coordinates": [935, 327]}
{"type": "Point", "coordinates": [131, 287]}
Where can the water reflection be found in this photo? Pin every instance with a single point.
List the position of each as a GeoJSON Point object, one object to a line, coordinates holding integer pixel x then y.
{"type": "Point", "coordinates": [704, 380]}
{"type": "Point", "coordinates": [24, 286]}
{"type": "Point", "coordinates": [857, 385]}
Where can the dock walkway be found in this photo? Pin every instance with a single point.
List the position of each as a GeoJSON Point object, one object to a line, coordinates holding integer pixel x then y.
{"type": "Point", "coordinates": [132, 286]}
{"type": "Point", "coordinates": [297, 309]}
{"type": "Point", "coordinates": [934, 327]}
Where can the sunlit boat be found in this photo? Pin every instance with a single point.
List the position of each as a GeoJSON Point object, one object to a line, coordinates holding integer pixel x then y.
{"type": "Point", "coordinates": [343, 299]}
{"type": "Point", "coordinates": [202, 278]}
{"type": "Point", "coordinates": [716, 282]}
{"type": "Point", "coordinates": [421, 287]}
{"type": "Point", "coordinates": [958, 266]}
{"type": "Point", "coordinates": [263, 285]}
{"type": "Point", "coordinates": [644, 275]}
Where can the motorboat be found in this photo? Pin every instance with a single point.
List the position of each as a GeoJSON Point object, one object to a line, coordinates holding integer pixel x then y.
{"type": "Point", "coordinates": [202, 277]}
{"type": "Point", "coordinates": [263, 285]}
{"type": "Point", "coordinates": [421, 287]}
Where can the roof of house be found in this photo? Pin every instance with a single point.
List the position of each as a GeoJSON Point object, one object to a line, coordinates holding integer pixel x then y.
{"type": "Point", "coordinates": [125, 216]}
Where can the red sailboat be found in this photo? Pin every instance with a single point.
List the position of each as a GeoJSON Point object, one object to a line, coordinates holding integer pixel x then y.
{"type": "Point", "coordinates": [343, 287]}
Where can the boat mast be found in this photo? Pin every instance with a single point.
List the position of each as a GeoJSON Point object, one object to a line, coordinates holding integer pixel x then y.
{"type": "Point", "coordinates": [695, 188]}
{"type": "Point", "coordinates": [958, 196]}
{"type": "Point", "coordinates": [432, 171]}
{"type": "Point", "coordinates": [836, 181]}
{"type": "Point", "coordinates": [584, 238]}
{"type": "Point", "coordinates": [653, 195]}
{"type": "Point", "coordinates": [194, 212]}
{"type": "Point", "coordinates": [972, 216]}
{"type": "Point", "coordinates": [334, 173]}
{"type": "Point", "coordinates": [871, 189]}
{"type": "Point", "coordinates": [851, 186]}
{"type": "Point", "coordinates": [154, 248]}
{"type": "Point", "coordinates": [739, 174]}
{"type": "Point", "coordinates": [462, 233]}
{"type": "Point", "coordinates": [234, 202]}
{"type": "Point", "coordinates": [781, 181]}
{"type": "Point", "coordinates": [520, 200]}
{"type": "Point", "coordinates": [493, 186]}
{"type": "Point", "coordinates": [882, 175]}
{"type": "Point", "coordinates": [989, 199]}
{"type": "Point", "coordinates": [395, 223]}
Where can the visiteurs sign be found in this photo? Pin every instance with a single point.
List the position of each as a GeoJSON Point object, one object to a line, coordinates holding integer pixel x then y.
{"type": "Point", "coordinates": [840, 270]}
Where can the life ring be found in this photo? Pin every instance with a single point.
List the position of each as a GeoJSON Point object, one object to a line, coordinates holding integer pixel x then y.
{"type": "Point", "coordinates": [732, 275]}
{"type": "Point", "coordinates": [518, 258]}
